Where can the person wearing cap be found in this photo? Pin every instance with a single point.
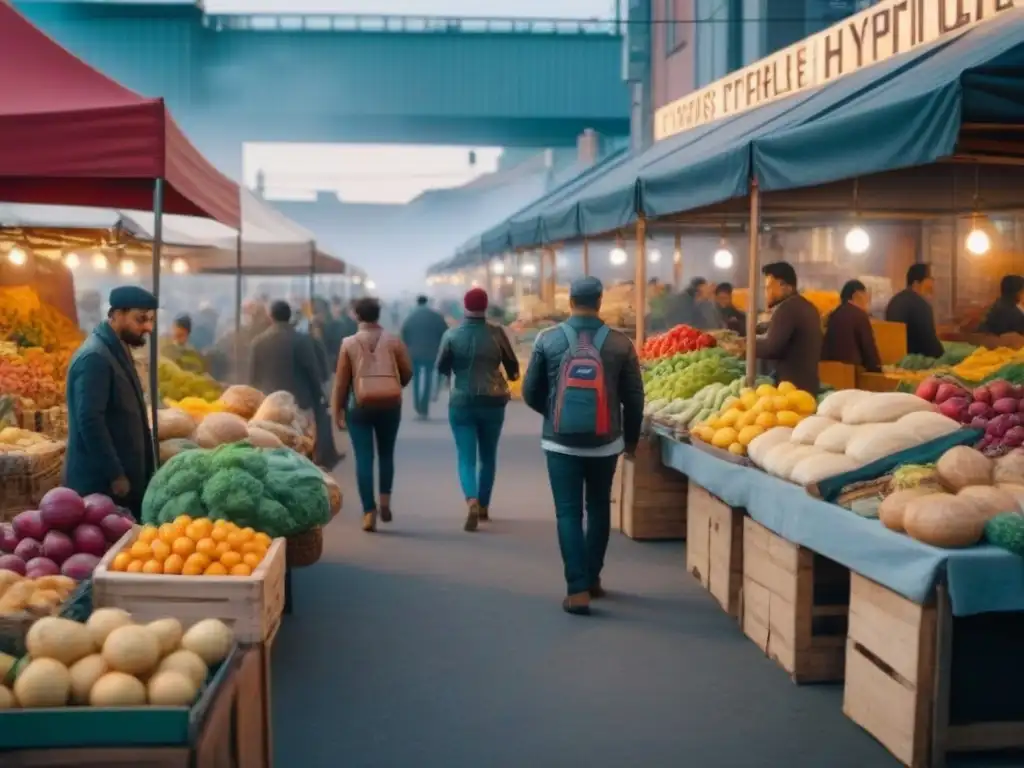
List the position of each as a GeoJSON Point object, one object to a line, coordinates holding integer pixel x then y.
{"type": "Point", "coordinates": [473, 354]}
{"type": "Point", "coordinates": [599, 368]}
{"type": "Point", "coordinates": [110, 443]}
{"type": "Point", "coordinates": [422, 332]}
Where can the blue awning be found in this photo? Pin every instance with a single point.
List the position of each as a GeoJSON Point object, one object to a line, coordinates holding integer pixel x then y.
{"type": "Point", "coordinates": [911, 116]}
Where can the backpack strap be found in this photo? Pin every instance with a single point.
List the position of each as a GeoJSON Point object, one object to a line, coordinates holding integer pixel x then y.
{"type": "Point", "coordinates": [571, 336]}
{"type": "Point", "coordinates": [600, 337]}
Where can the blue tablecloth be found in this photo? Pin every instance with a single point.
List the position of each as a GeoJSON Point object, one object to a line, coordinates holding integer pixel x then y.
{"type": "Point", "coordinates": [980, 579]}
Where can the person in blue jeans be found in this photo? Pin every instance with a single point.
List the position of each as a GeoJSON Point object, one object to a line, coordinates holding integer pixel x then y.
{"type": "Point", "coordinates": [473, 354]}
{"type": "Point", "coordinates": [373, 368]}
{"type": "Point", "coordinates": [584, 379]}
{"type": "Point", "coordinates": [421, 333]}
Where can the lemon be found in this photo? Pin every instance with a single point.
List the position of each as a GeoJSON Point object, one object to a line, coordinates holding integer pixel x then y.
{"type": "Point", "coordinates": [788, 418]}
{"type": "Point", "coordinates": [748, 399]}
{"type": "Point", "coordinates": [766, 404]}
{"type": "Point", "coordinates": [765, 390]}
{"type": "Point", "coordinates": [780, 403]}
{"type": "Point", "coordinates": [766, 420]}
{"type": "Point", "coordinates": [801, 402]}
{"type": "Point", "coordinates": [737, 450]}
{"type": "Point", "coordinates": [785, 387]}
{"type": "Point", "coordinates": [729, 418]}
{"type": "Point", "coordinates": [745, 420]}
{"type": "Point", "coordinates": [747, 434]}
{"type": "Point", "coordinates": [724, 437]}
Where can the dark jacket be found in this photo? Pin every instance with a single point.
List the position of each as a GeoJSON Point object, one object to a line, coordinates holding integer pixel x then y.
{"type": "Point", "coordinates": [284, 359]}
{"type": "Point", "coordinates": [734, 319]}
{"type": "Point", "coordinates": [475, 352]}
{"type": "Point", "coordinates": [915, 312]}
{"type": "Point", "coordinates": [1004, 316]}
{"type": "Point", "coordinates": [422, 332]}
{"type": "Point", "coordinates": [850, 339]}
{"type": "Point", "coordinates": [336, 330]}
{"type": "Point", "coordinates": [108, 428]}
{"type": "Point", "coordinates": [697, 313]}
{"type": "Point", "coordinates": [622, 378]}
{"type": "Point", "coordinates": [793, 343]}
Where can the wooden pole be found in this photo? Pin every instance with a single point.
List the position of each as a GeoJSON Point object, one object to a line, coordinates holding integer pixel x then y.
{"type": "Point", "coordinates": [752, 274]}
{"type": "Point", "coordinates": [552, 276]}
{"type": "Point", "coordinates": [519, 281]}
{"type": "Point", "coordinates": [542, 264]}
{"type": "Point", "coordinates": [586, 258]}
{"type": "Point", "coordinates": [677, 261]}
{"type": "Point", "coordinates": [641, 280]}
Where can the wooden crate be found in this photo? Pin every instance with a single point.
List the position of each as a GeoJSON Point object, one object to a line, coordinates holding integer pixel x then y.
{"type": "Point", "coordinates": [714, 547]}
{"type": "Point", "coordinates": [616, 511]}
{"type": "Point", "coordinates": [251, 605]}
{"type": "Point", "coordinates": [795, 605]}
{"type": "Point", "coordinates": [653, 496]}
{"type": "Point", "coordinates": [903, 672]}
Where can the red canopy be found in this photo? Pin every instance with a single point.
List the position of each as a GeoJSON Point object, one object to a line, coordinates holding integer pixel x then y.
{"type": "Point", "coordinates": [69, 135]}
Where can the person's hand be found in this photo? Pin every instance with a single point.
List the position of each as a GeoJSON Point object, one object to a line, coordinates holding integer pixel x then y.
{"type": "Point", "coordinates": [120, 488]}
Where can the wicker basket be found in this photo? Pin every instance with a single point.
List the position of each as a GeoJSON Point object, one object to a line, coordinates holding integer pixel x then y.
{"type": "Point", "coordinates": [334, 496]}
{"type": "Point", "coordinates": [52, 422]}
{"type": "Point", "coordinates": [305, 548]}
{"type": "Point", "coordinates": [26, 477]}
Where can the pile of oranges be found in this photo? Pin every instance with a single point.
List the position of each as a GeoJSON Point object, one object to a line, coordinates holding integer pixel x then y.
{"type": "Point", "coordinates": [188, 547]}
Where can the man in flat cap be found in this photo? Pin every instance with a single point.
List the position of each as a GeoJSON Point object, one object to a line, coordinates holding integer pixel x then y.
{"type": "Point", "coordinates": [584, 379]}
{"type": "Point", "coordinates": [110, 444]}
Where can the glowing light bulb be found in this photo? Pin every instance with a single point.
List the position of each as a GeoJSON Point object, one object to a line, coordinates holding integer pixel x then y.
{"type": "Point", "coordinates": [618, 257]}
{"type": "Point", "coordinates": [498, 267]}
{"type": "Point", "coordinates": [71, 261]}
{"type": "Point", "coordinates": [127, 267]}
{"type": "Point", "coordinates": [654, 256]}
{"type": "Point", "coordinates": [179, 266]}
{"type": "Point", "coordinates": [529, 269]}
{"type": "Point", "coordinates": [99, 262]}
{"type": "Point", "coordinates": [370, 285]}
{"type": "Point", "coordinates": [978, 242]}
{"type": "Point", "coordinates": [857, 241]}
{"type": "Point", "coordinates": [723, 258]}
{"type": "Point", "coordinates": [17, 257]}
{"type": "Point", "coordinates": [356, 280]}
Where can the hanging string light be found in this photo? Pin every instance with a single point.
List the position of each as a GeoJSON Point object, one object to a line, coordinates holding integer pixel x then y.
{"type": "Point", "coordinates": [17, 256]}
{"type": "Point", "coordinates": [72, 261]}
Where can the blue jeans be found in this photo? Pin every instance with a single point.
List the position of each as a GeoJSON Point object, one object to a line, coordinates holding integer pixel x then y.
{"type": "Point", "coordinates": [363, 427]}
{"type": "Point", "coordinates": [422, 384]}
{"type": "Point", "coordinates": [477, 429]}
{"type": "Point", "coordinates": [575, 479]}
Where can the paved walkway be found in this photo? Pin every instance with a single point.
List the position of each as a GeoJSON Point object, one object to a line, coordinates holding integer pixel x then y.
{"type": "Point", "coordinates": [425, 646]}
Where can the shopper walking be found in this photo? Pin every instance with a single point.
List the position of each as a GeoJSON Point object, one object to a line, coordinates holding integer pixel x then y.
{"type": "Point", "coordinates": [373, 368]}
{"type": "Point", "coordinates": [474, 354]}
{"type": "Point", "coordinates": [584, 378]}
{"type": "Point", "coordinates": [422, 332]}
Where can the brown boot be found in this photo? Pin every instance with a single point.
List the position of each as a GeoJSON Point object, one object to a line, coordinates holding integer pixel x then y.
{"type": "Point", "coordinates": [370, 521]}
{"type": "Point", "coordinates": [578, 604]}
{"type": "Point", "coordinates": [385, 514]}
{"type": "Point", "coordinates": [472, 517]}
{"type": "Point", "coordinates": [483, 515]}
{"type": "Point", "coordinates": [597, 591]}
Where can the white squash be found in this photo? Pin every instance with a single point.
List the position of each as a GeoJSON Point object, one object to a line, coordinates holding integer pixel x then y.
{"type": "Point", "coordinates": [759, 447]}
{"type": "Point", "coordinates": [775, 455]}
{"type": "Point", "coordinates": [116, 689]}
{"type": "Point", "coordinates": [84, 674]}
{"type": "Point", "coordinates": [807, 431]}
{"type": "Point", "coordinates": [834, 405]}
{"type": "Point", "coordinates": [943, 520]}
{"type": "Point", "coordinates": [879, 441]}
{"type": "Point", "coordinates": [44, 683]}
{"type": "Point", "coordinates": [63, 640]}
{"type": "Point", "coordinates": [785, 466]}
{"type": "Point", "coordinates": [928, 425]}
{"type": "Point", "coordinates": [210, 640]}
{"type": "Point", "coordinates": [133, 650]}
{"type": "Point", "coordinates": [836, 438]}
{"type": "Point", "coordinates": [821, 466]}
{"type": "Point", "coordinates": [884, 408]}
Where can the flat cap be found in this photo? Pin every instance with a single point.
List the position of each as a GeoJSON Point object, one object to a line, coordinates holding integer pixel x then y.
{"type": "Point", "coordinates": [586, 288]}
{"type": "Point", "coordinates": [132, 297]}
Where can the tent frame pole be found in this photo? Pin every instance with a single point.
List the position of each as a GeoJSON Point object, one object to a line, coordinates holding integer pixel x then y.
{"type": "Point", "coordinates": [753, 269]}
{"type": "Point", "coordinates": [312, 274]}
{"type": "Point", "coordinates": [238, 306]}
{"type": "Point", "coordinates": [586, 257]}
{"type": "Point", "coordinates": [154, 336]}
{"type": "Point", "coordinates": [640, 281]}
{"type": "Point", "coordinates": [677, 261]}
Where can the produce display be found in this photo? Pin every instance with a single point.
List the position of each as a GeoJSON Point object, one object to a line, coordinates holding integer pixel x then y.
{"type": "Point", "coordinates": [273, 490]}
{"type": "Point", "coordinates": [956, 352]}
{"type": "Point", "coordinates": [193, 547]}
{"type": "Point", "coordinates": [997, 408]}
{"type": "Point", "coordinates": [110, 661]}
{"type": "Point", "coordinates": [683, 375]}
{"type": "Point", "coordinates": [41, 596]}
{"type": "Point", "coordinates": [682, 338]}
{"type": "Point", "coordinates": [740, 419]}
{"type": "Point", "coordinates": [964, 364]}
{"type": "Point", "coordinates": [177, 383]}
{"type": "Point", "coordinates": [67, 535]}
{"type": "Point", "coordinates": [17, 440]}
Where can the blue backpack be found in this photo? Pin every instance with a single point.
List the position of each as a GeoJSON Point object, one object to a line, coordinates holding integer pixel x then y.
{"type": "Point", "coordinates": [581, 409]}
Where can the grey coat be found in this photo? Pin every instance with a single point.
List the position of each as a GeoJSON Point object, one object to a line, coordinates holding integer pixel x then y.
{"type": "Point", "coordinates": [284, 359]}
{"type": "Point", "coordinates": [422, 332]}
{"type": "Point", "coordinates": [108, 429]}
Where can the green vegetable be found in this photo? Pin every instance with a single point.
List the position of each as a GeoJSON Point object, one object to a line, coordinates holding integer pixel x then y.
{"type": "Point", "coordinates": [276, 491]}
{"type": "Point", "coordinates": [1006, 531]}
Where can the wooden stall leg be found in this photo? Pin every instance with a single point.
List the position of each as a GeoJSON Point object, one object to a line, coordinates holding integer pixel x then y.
{"type": "Point", "coordinates": [653, 496]}
{"type": "Point", "coordinates": [714, 547]}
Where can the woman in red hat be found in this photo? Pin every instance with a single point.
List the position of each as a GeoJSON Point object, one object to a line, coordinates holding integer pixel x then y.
{"type": "Point", "coordinates": [473, 354]}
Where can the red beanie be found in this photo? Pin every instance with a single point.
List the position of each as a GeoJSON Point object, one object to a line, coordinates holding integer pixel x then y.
{"type": "Point", "coordinates": [475, 300]}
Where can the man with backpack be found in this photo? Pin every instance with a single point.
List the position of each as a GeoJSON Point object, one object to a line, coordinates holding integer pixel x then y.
{"type": "Point", "coordinates": [584, 378]}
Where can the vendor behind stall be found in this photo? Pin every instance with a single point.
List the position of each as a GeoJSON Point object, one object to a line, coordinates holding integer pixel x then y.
{"type": "Point", "coordinates": [912, 307]}
{"type": "Point", "coordinates": [176, 346]}
{"type": "Point", "coordinates": [793, 340]}
{"type": "Point", "coordinates": [734, 319]}
{"type": "Point", "coordinates": [110, 444]}
{"type": "Point", "coordinates": [694, 307]}
{"type": "Point", "coordinates": [1006, 315]}
{"type": "Point", "coordinates": [848, 335]}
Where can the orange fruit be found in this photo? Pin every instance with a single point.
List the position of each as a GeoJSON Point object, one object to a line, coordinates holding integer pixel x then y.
{"type": "Point", "coordinates": [183, 546]}
{"type": "Point", "coordinates": [241, 570]}
{"type": "Point", "coordinates": [252, 559]}
{"type": "Point", "coordinates": [148, 533]}
{"type": "Point", "coordinates": [219, 532]}
{"type": "Point", "coordinates": [168, 533]}
{"type": "Point", "coordinates": [141, 550]}
{"type": "Point", "coordinates": [247, 533]}
{"type": "Point", "coordinates": [206, 547]}
{"type": "Point", "coordinates": [121, 561]}
{"type": "Point", "coordinates": [215, 569]}
{"type": "Point", "coordinates": [253, 546]}
{"type": "Point", "coordinates": [152, 566]}
{"type": "Point", "coordinates": [195, 563]}
{"type": "Point", "coordinates": [219, 523]}
{"type": "Point", "coordinates": [235, 540]}
{"type": "Point", "coordinates": [173, 564]}
{"type": "Point", "coordinates": [161, 549]}
{"type": "Point", "coordinates": [222, 547]}
{"type": "Point", "coordinates": [263, 539]}
{"type": "Point", "coordinates": [135, 566]}
{"type": "Point", "coordinates": [182, 519]}
{"type": "Point", "coordinates": [195, 531]}
{"type": "Point", "coordinates": [230, 559]}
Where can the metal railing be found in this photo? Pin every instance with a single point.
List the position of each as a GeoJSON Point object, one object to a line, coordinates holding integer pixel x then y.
{"type": "Point", "coordinates": [289, 22]}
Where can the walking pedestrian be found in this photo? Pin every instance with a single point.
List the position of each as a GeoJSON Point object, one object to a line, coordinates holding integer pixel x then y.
{"type": "Point", "coordinates": [373, 368]}
{"type": "Point", "coordinates": [474, 354]}
{"type": "Point", "coordinates": [422, 332]}
{"type": "Point", "coordinates": [584, 378]}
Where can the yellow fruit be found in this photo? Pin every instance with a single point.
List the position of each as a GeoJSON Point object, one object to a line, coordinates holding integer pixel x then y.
{"type": "Point", "coordinates": [242, 569]}
{"type": "Point", "coordinates": [219, 533]}
{"type": "Point", "coordinates": [765, 390]}
{"type": "Point", "coordinates": [135, 566]}
{"type": "Point", "coordinates": [749, 433]}
{"type": "Point", "coordinates": [148, 533]}
{"type": "Point", "coordinates": [168, 533]}
{"type": "Point", "coordinates": [182, 520]}
{"type": "Point", "coordinates": [121, 561]}
{"type": "Point", "coordinates": [252, 559]}
{"type": "Point", "coordinates": [264, 539]}
{"type": "Point", "coordinates": [247, 533]}
{"type": "Point", "coordinates": [196, 531]}
{"type": "Point", "coordinates": [219, 523]}
{"type": "Point", "coordinates": [152, 566]}
{"type": "Point", "coordinates": [765, 404]}
{"type": "Point", "coordinates": [161, 550]}
{"type": "Point", "coordinates": [235, 539]}
{"type": "Point", "coordinates": [195, 564]}
{"type": "Point", "coordinates": [748, 399]}
{"type": "Point", "coordinates": [737, 450]}
{"type": "Point", "coordinates": [724, 437]}
{"type": "Point", "coordinates": [230, 559]}
{"type": "Point", "coordinates": [215, 569]}
{"type": "Point", "coordinates": [705, 433]}
{"type": "Point", "coordinates": [785, 387]}
{"type": "Point", "coordinates": [745, 420]}
{"type": "Point", "coordinates": [729, 404]}
{"type": "Point", "coordinates": [173, 564]}
{"type": "Point", "coordinates": [779, 403]}
{"type": "Point", "coordinates": [222, 547]}
{"type": "Point", "coordinates": [183, 546]}
{"type": "Point", "coordinates": [206, 547]}
{"type": "Point", "coordinates": [141, 550]}
{"type": "Point", "coordinates": [802, 402]}
{"type": "Point", "coordinates": [788, 418]}
{"type": "Point", "coordinates": [747, 391]}
{"type": "Point", "coordinates": [729, 418]}
{"type": "Point", "coordinates": [766, 420]}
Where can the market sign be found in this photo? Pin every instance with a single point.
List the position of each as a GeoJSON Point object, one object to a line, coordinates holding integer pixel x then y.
{"type": "Point", "coordinates": [880, 32]}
